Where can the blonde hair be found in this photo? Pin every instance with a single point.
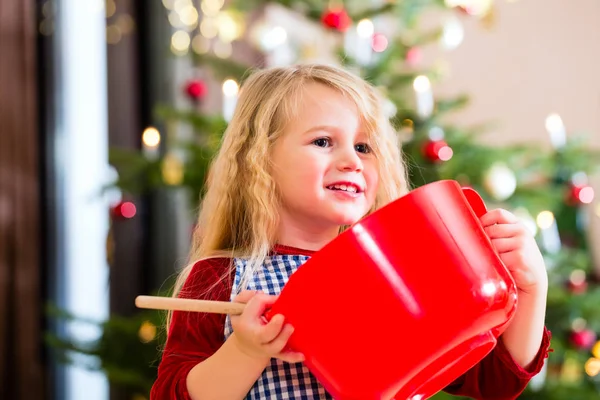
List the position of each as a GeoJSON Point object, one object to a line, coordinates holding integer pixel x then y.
{"type": "Point", "coordinates": [239, 212]}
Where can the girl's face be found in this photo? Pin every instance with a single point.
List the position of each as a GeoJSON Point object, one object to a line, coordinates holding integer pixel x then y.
{"type": "Point", "coordinates": [323, 164]}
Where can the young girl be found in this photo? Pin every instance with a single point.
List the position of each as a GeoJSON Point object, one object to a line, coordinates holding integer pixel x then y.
{"type": "Point", "coordinates": [309, 152]}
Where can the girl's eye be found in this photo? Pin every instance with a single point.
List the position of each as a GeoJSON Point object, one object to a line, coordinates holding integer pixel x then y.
{"type": "Point", "coordinates": [322, 142]}
{"type": "Point", "coordinates": [362, 148]}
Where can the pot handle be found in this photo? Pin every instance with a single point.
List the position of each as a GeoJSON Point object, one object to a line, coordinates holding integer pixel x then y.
{"type": "Point", "coordinates": [475, 201]}
{"type": "Point", "coordinates": [478, 206]}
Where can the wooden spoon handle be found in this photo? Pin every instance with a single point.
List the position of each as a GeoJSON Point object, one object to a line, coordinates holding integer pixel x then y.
{"type": "Point", "coordinates": [177, 304]}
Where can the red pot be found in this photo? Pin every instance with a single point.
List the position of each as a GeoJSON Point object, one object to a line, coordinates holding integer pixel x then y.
{"type": "Point", "coordinates": [405, 301]}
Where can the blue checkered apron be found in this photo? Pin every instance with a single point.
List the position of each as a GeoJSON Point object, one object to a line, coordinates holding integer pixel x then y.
{"type": "Point", "coordinates": [280, 380]}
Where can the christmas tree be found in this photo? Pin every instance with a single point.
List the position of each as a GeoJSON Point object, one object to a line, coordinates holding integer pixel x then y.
{"type": "Point", "coordinates": [382, 41]}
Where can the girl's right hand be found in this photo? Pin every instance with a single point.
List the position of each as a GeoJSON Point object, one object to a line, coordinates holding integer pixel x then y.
{"type": "Point", "coordinates": [255, 336]}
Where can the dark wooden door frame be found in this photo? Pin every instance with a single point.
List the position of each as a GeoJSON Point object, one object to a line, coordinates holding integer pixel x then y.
{"type": "Point", "coordinates": [22, 370]}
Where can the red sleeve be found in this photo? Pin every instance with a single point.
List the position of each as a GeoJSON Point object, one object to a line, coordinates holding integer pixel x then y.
{"type": "Point", "coordinates": [193, 337]}
{"type": "Point", "coordinates": [498, 376]}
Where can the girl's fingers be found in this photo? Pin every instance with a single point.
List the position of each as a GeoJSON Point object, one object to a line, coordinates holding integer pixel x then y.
{"type": "Point", "coordinates": [272, 329]}
{"type": "Point", "coordinates": [498, 216]}
{"type": "Point", "coordinates": [503, 230]}
{"type": "Point", "coordinates": [245, 296]}
{"type": "Point", "coordinates": [505, 245]}
{"type": "Point", "coordinates": [258, 304]}
{"type": "Point", "coordinates": [279, 342]}
{"type": "Point", "coordinates": [291, 356]}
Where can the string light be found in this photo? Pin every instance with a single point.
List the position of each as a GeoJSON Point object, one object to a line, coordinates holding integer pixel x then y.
{"type": "Point", "coordinates": [222, 49]}
{"type": "Point", "coordinates": [151, 137]}
{"type": "Point", "coordinates": [230, 26]}
{"type": "Point", "coordinates": [180, 42]}
{"type": "Point", "coordinates": [209, 28]}
{"type": "Point", "coordinates": [189, 16]}
{"type": "Point", "coordinates": [113, 34]}
{"type": "Point", "coordinates": [365, 28]}
{"type": "Point", "coordinates": [200, 44]}
{"type": "Point", "coordinates": [111, 8]}
{"type": "Point", "coordinates": [545, 219]}
{"type": "Point", "coordinates": [168, 4]}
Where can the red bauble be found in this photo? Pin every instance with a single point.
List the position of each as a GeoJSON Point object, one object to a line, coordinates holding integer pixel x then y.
{"type": "Point", "coordinates": [437, 151]}
{"type": "Point", "coordinates": [124, 210]}
{"type": "Point", "coordinates": [336, 18]}
{"type": "Point", "coordinates": [413, 56]}
{"type": "Point", "coordinates": [195, 89]}
{"type": "Point", "coordinates": [580, 194]}
{"type": "Point", "coordinates": [577, 287]}
{"type": "Point", "coordinates": [583, 339]}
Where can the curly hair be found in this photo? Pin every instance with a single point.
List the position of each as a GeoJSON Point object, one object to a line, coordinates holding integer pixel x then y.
{"type": "Point", "coordinates": [239, 212]}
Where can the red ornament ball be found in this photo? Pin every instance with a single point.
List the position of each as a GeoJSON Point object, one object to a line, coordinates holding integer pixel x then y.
{"type": "Point", "coordinates": [583, 339]}
{"type": "Point", "coordinates": [124, 210]}
{"type": "Point", "coordinates": [580, 194]}
{"type": "Point", "coordinates": [379, 42]}
{"type": "Point", "coordinates": [437, 151]}
{"type": "Point", "coordinates": [413, 56]}
{"type": "Point", "coordinates": [336, 18]}
{"type": "Point", "coordinates": [195, 89]}
{"type": "Point", "coordinates": [577, 287]}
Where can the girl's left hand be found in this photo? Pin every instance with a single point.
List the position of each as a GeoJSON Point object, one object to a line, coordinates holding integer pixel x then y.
{"type": "Point", "coordinates": [518, 250]}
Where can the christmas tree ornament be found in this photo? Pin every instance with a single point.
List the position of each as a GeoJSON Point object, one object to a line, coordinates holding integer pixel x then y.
{"type": "Point", "coordinates": [580, 194]}
{"type": "Point", "coordinates": [414, 55]}
{"type": "Point", "coordinates": [123, 210]}
{"type": "Point", "coordinates": [500, 181]}
{"type": "Point", "coordinates": [596, 350]}
{"type": "Point", "coordinates": [379, 42]}
{"type": "Point", "coordinates": [172, 170]}
{"type": "Point", "coordinates": [583, 339]}
{"type": "Point", "coordinates": [592, 367]}
{"type": "Point", "coordinates": [577, 282]}
{"type": "Point", "coordinates": [571, 371]}
{"type": "Point", "coordinates": [336, 18]}
{"type": "Point", "coordinates": [147, 332]}
{"type": "Point", "coordinates": [437, 151]}
{"type": "Point", "coordinates": [195, 89]}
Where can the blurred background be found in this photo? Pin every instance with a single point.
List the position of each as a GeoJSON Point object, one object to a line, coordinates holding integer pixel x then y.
{"type": "Point", "coordinates": [110, 111]}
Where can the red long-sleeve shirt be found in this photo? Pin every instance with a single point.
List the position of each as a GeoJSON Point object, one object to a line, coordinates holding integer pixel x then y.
{"type": "Point", "coordinates": [193, 337]}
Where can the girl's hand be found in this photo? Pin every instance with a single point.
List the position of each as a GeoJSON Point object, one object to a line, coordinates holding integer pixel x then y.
{"type": "Point", "coordinates": [255, 336]}
{"type": "Point", "coordinates": [518, 250]}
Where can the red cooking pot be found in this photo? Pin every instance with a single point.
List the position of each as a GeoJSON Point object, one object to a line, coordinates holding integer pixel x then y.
{"type": "Point", "coordinates": [405, 301]}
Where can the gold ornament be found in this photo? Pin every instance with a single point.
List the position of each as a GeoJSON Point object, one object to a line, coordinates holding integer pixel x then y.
{"type": "Point", "coordinates": [147, 332]}
{"type": "Point", "coordinates": [571, 371]}
{"type": "Point", "coordinates": [592, 367]}
{"type": "Point", "coordinates": [596, 350]}
{"type": "Point", "coordinates": [172, 170]}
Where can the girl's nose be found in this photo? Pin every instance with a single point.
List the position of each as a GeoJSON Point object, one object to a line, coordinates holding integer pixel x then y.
{"type": "Point", "coordinates": [349, 160]}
